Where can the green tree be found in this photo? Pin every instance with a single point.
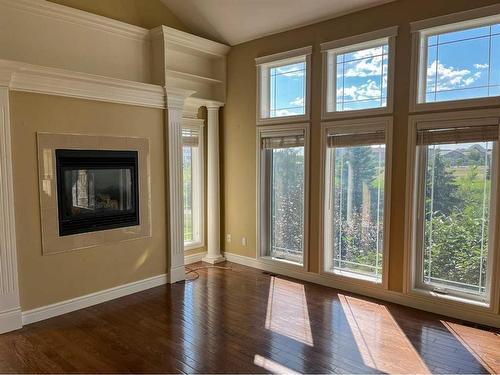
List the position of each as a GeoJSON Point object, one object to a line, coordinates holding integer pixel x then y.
{"type": "Point", "coordinates": [441, 187]}
{"type": "Point", "coordinates": [287, 201]}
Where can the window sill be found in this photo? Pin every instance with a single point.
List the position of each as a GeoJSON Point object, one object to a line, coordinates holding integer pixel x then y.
{"type": "Point", "coordinates": [449, 299]}
{"type": "Point", "coordinates": [455, 104]}
{"type": "Point", "coordinates": [338, 115]}
{"type": "Point", "coordinates": [283, 119]}
{"type": "Point", "coordinates": [352, 278]}
{"type": "Point", "coordinates": [193, 245]}
{"type": "Point", "coordinates": [283, 262]}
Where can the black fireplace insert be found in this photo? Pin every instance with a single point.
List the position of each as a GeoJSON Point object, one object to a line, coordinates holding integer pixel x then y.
{"type": "Point", "coordinates": [96, 190]}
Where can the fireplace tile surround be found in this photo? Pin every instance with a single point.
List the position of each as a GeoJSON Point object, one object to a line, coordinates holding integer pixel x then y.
{"type": "Point", "coordinates": [52, 242]}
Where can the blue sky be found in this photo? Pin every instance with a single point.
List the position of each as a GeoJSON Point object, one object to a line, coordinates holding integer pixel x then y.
{"type": "Point", "coordinates": [464, 64]}
{"type": "Point", "coordinates": [460, 65]}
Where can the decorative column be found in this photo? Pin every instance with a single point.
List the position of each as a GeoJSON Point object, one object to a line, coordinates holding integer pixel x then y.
{"type": "Point", "coordinates": [175, 104]}
{"type": "Point", "coordinates": [213, 186]}
{"type": "Point", "coordinates": [10, 310]}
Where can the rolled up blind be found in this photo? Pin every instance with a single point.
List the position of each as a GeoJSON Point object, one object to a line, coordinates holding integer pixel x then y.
{"type": "Point", "coordinates": [190, 137]}
{"type": "Point", "coordinates": [282, 141]}
{"type": "Point", "coordinates": [462, 134]}
{"type": "Point", "coordinates": [356, 139]}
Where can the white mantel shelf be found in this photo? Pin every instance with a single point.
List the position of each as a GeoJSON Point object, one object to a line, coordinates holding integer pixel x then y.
{"type": "Point", "coordinates": [44, 80]}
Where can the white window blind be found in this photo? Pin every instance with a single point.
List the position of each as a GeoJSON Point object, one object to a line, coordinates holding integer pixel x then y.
{"type": "Point", "coordinates": [283, 141]}
{"type": "Point", "coordinates": [463, 134]}
{"type": "Point", "coordinates": [355, 139]}
{"type": "Point", "coordinates": [190, 137]}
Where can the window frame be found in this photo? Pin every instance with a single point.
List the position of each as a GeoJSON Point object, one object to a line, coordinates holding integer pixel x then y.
{"type": "Point", "coordinates": [199, 187]}
{"type": "Point", "coordinates": [413, 286]}
{"type": "Point", "coordinates": [262, 189]}
{"type": "Point", "coordinates": [352, 44]}
{"type": "Point", "coordinates": [278, 59]}
{"type": "Point", "coordinates": [420, 30]}
{"type": "Point", "coordinates": [353, 125]}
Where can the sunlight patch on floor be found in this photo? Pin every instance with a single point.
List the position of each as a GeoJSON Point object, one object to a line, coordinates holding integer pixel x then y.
{"type": "Point", "coordinates": [380, 341]}
{"type": "Point", "coordinates": [484, 346]}
{"type": "Point", "coordinates": [272, 366]}
{"type": "Point", "coordinates": [287, 312]}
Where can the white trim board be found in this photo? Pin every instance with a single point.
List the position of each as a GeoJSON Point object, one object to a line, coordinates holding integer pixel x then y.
{"type": "Point", "coordinates": [190, 259]}
{"type": "Point", "coordinates": [10, 311]}
{"type": "Point", "coordinates": [64, 307]}
{"type": "Point", "coordinates": [44, 80]}
{"type": "Point", "coordinates": [417, 302]}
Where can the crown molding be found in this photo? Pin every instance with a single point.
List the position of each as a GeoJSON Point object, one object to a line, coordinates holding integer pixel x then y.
{"type": "Point", "coordinates": [44, 80]}
{"type": "Point", "coordinates": [176, 97]}
{"type": "Point", "coordinates": [63, 13]}
{"type": "Point", "coordinates": [190, 41]}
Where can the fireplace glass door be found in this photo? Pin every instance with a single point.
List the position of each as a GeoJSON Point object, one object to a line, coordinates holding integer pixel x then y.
{"type": "Point", "coordinates": [97, 190]}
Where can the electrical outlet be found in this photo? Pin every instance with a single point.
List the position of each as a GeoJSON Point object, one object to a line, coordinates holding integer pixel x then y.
{"type": "Point", "coordinates": [244, 241]}
{"type": "Point", "coordinates": [228, 237]}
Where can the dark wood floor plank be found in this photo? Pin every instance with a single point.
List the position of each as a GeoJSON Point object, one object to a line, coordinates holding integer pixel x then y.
{"type": "Point", "coordinates": [241, 320]}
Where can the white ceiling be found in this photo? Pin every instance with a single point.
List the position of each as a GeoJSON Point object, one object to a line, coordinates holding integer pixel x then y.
{"type": "Point", "coordinates": [238, 21]}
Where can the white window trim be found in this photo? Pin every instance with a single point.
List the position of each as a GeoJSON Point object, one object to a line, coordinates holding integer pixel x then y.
{"type": "Point", "coordinates": [354, 43]}
{"type": "Point", "coordinates": [265, 62]}
{"type": "Point", "coordinates": [353, 125]}
{"type": "Point", "coordinates": [261, 198]}
{"type": "Point", "coordinates": [451, 22]}
{"type": "Point", "coordinates": [198, 124]}
{"type": "Point", "coordinates": [410, 284]}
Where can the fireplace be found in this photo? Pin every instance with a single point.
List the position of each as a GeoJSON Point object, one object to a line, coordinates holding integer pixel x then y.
{"type": "Point", "coordinates": [96, 190]}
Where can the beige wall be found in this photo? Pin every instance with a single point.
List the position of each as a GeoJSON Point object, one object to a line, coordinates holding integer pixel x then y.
{"type": "Point", "coordinates": [48, 279]}
{"type": "Point", "coordinates": [143, 13]}
{"type": "Point", "coordinates": [42, 38]}
{"type": "Point", "coordinates": [239, 131]}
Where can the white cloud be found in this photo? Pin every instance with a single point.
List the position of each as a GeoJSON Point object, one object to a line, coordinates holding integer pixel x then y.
{"type": "Point", "coordinates": [481, 66]}
{"type": "Point", "coordinates": [367, 52]}
{"type": "Point", "coordinates": [284, 112]}
{"type": "Point", "coordinates": [365, 68]}
{"type": "Point", "coordinates": [297, 102]}
{"type": "Point", "coordinates": [449, 78]}
{"type": "Point", "coordinates": [368, 90]}
{"type": "Point", "coordinates": [290, 71]}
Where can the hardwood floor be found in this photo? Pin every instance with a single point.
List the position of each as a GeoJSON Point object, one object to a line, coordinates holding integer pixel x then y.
{"type": "Point", "coordinates": [244, 321]}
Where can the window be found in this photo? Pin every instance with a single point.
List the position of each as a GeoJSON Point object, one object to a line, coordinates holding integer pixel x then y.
{"type": "Point", "coordinates": [192, 168]}
{"type": "Point", "coordinates": [355, 195]}
{"type": "Point", "coordinates": [458, 61]}
{"type": "Point", "coordinates": [283, 81]}
{"type": "Point", "coordinates": [453, 233]}
{"type": "Point", "coordinates": [282, 193]}
{"type": "Point", "coordinates": [359, 73]}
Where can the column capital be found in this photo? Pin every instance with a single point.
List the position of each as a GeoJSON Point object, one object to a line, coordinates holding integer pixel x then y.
{"type": "Point", "coordinates": [7, 70]}
{"type": "Point", "coordinates": [213, 105]}
{"type": "Point", "coordinates": [175, 97]}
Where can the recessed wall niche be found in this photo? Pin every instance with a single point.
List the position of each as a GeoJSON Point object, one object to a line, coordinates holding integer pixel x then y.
{"type": "Point", "coordinates": [56, 238]}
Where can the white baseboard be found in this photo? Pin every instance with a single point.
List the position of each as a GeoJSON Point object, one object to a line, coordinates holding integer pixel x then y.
{"type": "Point", "coordinates": [190, 259]}
{"type": "Point", "coordinates": [435, 306]}
{"type": "Point", "coordinates": [10, 320]}
{"type": "Point", "coordinates": [64, 307]}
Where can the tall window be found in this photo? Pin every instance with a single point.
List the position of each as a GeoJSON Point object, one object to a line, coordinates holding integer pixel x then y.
{"type": "Point", "coordinates": [456, 170]}
{"type": "Point", "coordinates": [459, 61]}
{"type": "Point", "coordinates": [283, 83]}
{"type": "Point", "coordinates": [282, 195]}
{"type": "Point", "coordinates": [358, 70]}
{"type": "Point", "coordinates": [355, 196]}
{"type": "Point", "coordinates": [192, 186]}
